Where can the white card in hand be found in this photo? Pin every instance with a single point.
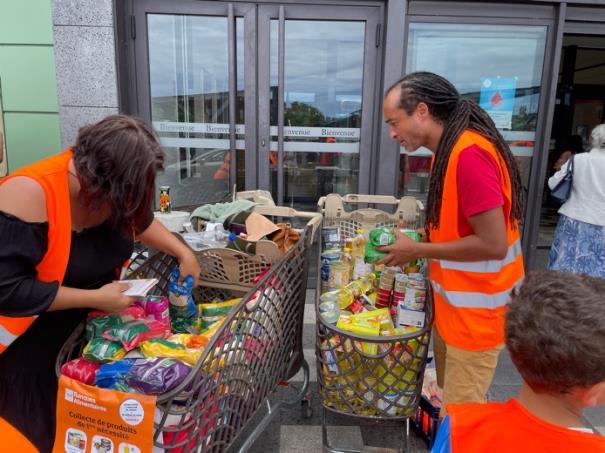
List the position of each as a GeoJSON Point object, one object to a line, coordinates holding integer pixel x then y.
{"type": "Point", "coordinates": [139, 288]}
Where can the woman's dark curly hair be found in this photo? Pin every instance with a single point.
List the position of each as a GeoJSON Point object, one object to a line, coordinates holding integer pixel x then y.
{"type": "Point", "coordinates": [117, 160]}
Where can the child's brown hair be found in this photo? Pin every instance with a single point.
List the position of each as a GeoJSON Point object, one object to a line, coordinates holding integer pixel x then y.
{"type": "Point", "coordinates": [555, 331]}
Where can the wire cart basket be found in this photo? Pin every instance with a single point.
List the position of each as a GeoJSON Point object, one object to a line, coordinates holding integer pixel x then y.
{"type": "Point", "coordinates": [375, 378]}
{"type": "Point", "coordinates": [257, 348]}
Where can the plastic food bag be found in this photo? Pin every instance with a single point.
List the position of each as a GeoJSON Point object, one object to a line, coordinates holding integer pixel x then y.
{"type": "Point", "coordinates": [81, 370]}
{"type": "Point", "coordinates": [156, 307]}
{"type": "Point", "coordinates": [102, 350]}
{"type": "Point", "coordinates": [97, 325]}
{"type": "Point", "coordinates": [156, 376]}
{"type": "Point", "coordinates": [175, 347]}
{"type": "Point", "coordinates": [97, 322]}
{"type": "Point", "coordinates": [130, 334]}
{"type": "Point", "coordinates": [182, 307]}
{"type": "Point", "coordinates": [113, 375]}
{"type": "Point", "coordinates": [378, 238]}
{"type": "Point", "coordinates": [213, 312]}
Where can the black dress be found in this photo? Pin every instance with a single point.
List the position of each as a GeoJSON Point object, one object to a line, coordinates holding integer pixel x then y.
{"type": "Point", "coordinates": [28, 384]}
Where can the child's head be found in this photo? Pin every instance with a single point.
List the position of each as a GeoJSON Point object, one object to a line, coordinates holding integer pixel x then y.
{"type": "Point", "coordinates": [555, 332]}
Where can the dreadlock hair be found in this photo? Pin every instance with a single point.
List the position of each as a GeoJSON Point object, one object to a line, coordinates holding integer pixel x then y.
{"type": "Point", "coordinates": [456, 114]}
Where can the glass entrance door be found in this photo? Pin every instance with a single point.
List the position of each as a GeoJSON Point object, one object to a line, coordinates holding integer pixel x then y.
{"type": "Point", "coordinates": [316, 100]}
{"type": "Point", "coordinates": [191, 79]}
{"type": "Point", "coordinates": [276, 97]}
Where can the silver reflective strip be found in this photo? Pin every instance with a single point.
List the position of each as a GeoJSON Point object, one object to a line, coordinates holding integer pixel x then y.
{"type": "Point", "coordinates": [462, 299]}
{"type": "Point", "coordinates": [484, 266]}
{"type": "Point", "coordinates": [6, 338]}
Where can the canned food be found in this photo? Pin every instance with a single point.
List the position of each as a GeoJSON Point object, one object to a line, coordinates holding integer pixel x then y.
{"type": "Point", "coordinates": [383, 297]}
{"type": "Point", "coordinates": [328, 257]}
{"type": "Point", "coordinates": [165, 203]}
{"type": "Point", "coordinates": [340, 274]}
{"type": "Point", "coordinates": [414, 299]}
{"type": "Point", "coordinates": [330, 236]}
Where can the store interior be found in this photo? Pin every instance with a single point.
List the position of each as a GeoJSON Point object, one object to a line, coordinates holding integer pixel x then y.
{"type": "Point", "coordinates": [580, 106]}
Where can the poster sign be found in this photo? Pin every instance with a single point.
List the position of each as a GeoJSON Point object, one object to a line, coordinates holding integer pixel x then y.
{"type": "Point", "coordinates": [497, 98]}
{"type": "Point", "coordinates": [96, 420]}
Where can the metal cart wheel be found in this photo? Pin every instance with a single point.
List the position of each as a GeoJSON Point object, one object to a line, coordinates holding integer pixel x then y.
{"type": "Point", "coordinates": [306, 408]}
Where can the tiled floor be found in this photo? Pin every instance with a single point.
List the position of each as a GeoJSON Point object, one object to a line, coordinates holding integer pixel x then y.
{"type": "Point", "coordinates": [289, 432]}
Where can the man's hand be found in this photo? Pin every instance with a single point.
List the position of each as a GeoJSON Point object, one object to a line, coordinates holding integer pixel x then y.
{"type": "Point", "coordinates": [403, 251]}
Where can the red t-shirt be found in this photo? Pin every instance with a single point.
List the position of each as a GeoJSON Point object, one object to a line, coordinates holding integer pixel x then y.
{"type": "Point", "coordinates": [479, 185]}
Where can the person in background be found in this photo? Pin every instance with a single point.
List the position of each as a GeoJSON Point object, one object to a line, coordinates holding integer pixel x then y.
{"type": "Point", "coordinates": [574, 146]}
{"type": "Point", "coordinates": [555, 332]}
{"type": "Point", "coordinates": [473, 209]}
{"type": "Point", "coordinates": [67, 225]}
{"type": "Point", "coordinates": [579, 242]}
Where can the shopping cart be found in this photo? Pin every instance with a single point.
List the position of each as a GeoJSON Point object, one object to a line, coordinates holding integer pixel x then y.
{"type": "Point", "coordinates": [258, 347]}
{"type": "Point", "coordinates": [377, 378]}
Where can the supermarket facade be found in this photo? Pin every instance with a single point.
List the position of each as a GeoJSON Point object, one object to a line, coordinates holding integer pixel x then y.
{"type": "Point", "coordinates": [287, 95]}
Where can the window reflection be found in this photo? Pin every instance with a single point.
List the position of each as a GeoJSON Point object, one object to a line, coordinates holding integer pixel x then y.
{"type": "Point", "coordinates": [189, 84]}
{"type": "Point", "coordinates": [498, 66]}
{"type": "Point", "coordinates": [322, 115]}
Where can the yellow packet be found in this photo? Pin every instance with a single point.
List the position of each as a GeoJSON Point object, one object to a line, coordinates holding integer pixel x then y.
{"type": "Point", "coordinates": [158, 347]}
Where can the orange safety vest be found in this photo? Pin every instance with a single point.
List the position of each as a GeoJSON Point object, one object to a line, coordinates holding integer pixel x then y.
{"type": "Point", "coordinates": [506, 427]}
{"type": "Point", "coordinates": [51, 174]}
{"type": "Point", "coordinates": [471, 297]}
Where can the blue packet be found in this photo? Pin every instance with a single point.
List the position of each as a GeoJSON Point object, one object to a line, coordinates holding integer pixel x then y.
{"type": "Point", "coordinates": [113, 375]}
{"type": "Point", "coordinates": [182, 307]}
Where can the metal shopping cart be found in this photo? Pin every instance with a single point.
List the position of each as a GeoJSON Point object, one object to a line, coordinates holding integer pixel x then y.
{"type": "Point", "coordinates": [257, 348]}
{"type": "Point", "coordinates": [378, 378]}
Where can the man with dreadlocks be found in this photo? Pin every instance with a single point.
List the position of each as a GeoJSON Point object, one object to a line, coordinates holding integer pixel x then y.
{"type": "Point", "coordinates": [473, 209]}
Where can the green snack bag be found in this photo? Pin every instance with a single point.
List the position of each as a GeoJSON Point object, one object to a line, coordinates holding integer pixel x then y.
{"type": "Point", "coordinates": [96, 326]}
{"type": "Point", "coordinates": [371, 254]}
{"type": "Point", "coordinates": [382, 236]}
{"type": "Point", "coordinates": [378, 238]}
{"type": "Point", "coordinates": [101, 350]}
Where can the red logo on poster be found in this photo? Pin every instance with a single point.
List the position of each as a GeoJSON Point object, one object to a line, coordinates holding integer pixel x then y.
{"type": "Point", "coordinates": [496, 99]}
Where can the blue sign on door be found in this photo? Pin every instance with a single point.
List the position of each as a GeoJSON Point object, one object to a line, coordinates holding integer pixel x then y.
{"type": "Point", "coordinates": [497, 98]}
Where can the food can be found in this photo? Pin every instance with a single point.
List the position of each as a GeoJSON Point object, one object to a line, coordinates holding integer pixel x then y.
{"type": "Point", "coordinates": [415, 296]}
{"type": "Point", "coordinates": [165, 203]}
{"type": "Point", "coordinates": [340, 274]}
{"type": "Point", "coordinates": [327, 258]}
{"type": "Point", "coordinates": [330, 236]}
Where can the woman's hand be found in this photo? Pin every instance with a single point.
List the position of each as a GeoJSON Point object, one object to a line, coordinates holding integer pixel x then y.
{"type": "Point", "coordinates": [188, 265]}
{"type": "Point", "coordinates": [158, 237]}
{"type": "Point", "coordinates": [111, 297]}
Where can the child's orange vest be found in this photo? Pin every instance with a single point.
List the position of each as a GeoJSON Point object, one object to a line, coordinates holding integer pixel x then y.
{"type": "Point", "coordinates": [509, 427]}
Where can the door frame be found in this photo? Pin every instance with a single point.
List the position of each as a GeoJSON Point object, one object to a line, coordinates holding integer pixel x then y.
{"type": "Point", "coordinates": [506, 14]}
{"type": "Point", "coordinates": [372, 16]}
{"type": "Point", "coordinates": [133, 67]}
{"type": "Point", "coordinates": [230, 11]}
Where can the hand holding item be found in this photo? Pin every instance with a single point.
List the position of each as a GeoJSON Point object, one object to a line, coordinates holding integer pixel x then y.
{"type": "Point", "coordinates": [401, 252]}
{"type": "Point", "coordinates": [188, 265]}
{"type": "Point", "coordinates": [112, 299]}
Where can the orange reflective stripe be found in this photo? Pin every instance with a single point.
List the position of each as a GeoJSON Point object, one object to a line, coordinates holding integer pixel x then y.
{"type": "Point", "coordinates": [51, 174]}
{"type": "Point", "coordinates": [471, 296]}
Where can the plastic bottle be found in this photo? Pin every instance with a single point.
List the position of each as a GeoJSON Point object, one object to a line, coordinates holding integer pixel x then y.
{"type": "Point", "coordinates": [358, 245]}
{"type": "Point", "coordinates": [353, 290]}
